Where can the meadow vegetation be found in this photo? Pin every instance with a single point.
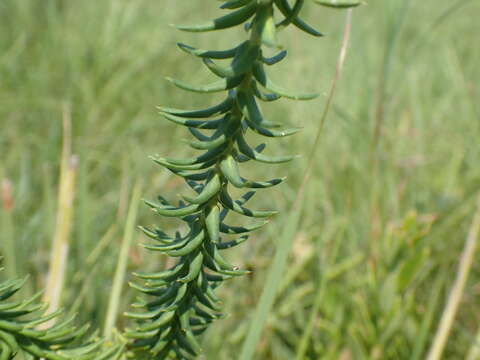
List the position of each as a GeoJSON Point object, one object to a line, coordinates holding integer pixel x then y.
{"type": "Point", "coordinates": [392, 197]}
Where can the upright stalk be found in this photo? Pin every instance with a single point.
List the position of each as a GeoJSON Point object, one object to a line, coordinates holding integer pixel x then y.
{"type": "Point", "coordinates": [61, 240]}
{"type": "Point", "coordinates": [181, 300]}
{"type": "Point", "coordinates": [456, 293]}
{"type": "Point", "coordinates": [119, 277]}
{"type": "Point", "coordinates": [7, 235]}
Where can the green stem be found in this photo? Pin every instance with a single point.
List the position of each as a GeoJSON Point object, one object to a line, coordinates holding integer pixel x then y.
{"type": "Point", "coordinates": [119, 278]}
{"type": "Point", "coordinates": [277, 268]}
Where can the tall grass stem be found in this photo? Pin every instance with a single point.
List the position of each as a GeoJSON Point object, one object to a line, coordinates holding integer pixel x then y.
{"type": "Point", "coordinates": [455, 296]}
{"type": "Point", "coordinates": [7, 235]}
{"type": "Point", "coordinates": [119, 277]}
{"type": "Point", "coordinates": [382, 101]}
{"type": "Point", "coordinates": [61, 240]}
{"type": "Point", "coordinates": [277, 268]}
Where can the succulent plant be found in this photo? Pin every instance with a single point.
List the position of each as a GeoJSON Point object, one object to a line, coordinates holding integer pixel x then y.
{"type": "Point", "coordinates": [181, 300]}
{"type": "Point", "coordinates": [26, 329]}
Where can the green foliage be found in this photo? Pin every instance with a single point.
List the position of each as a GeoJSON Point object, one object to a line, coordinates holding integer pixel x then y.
{"type": "Point", "coordinates": [24, 328]}
{"type": "Point", "coordinates": [106, 59]}
{"type": "Point", "coordinates": [183, 301]}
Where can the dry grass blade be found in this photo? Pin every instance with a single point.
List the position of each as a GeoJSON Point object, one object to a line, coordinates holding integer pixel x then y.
{"type": "Point", "coordinates": [464, 268]}
{"type": "Point", "coordinates": [7, 235]}
{"type": "Point", "coordinates": [61, 240]}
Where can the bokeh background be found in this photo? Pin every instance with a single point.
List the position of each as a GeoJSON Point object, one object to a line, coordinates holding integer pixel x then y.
{"type": "Point", "coordinates": [388, 209]}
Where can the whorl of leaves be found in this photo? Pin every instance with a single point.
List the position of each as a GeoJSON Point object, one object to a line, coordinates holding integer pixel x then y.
{"type": "Point", "coordinates": [181, 301]}
{"type": "Point", "coordinates": [23, 331]}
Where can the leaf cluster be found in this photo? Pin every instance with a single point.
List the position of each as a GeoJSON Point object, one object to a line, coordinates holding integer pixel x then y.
{"type": "Point", "coordinates": [181, 301]}
{"type": "Point", "coordinates": [25, 328]}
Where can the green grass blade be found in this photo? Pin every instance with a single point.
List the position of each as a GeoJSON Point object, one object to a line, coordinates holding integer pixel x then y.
{"type": "Point", "coordinates": [119, 278]}
{"type": "Point", "coordinates": [277, 269]}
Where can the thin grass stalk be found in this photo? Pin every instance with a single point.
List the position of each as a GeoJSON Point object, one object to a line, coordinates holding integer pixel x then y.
{"type": "Point", "coordinates": [48, 198]}
{"type": "Point", "coordinates": [382, 104]}
{"type": "Point", "coordinates": [456, 293]}
{"type": "Point", "coordinates": [124, 186]}
{"type": "Point", "coordinates": [325, 278]}
{"type": "Point", "coordinates": [91, 265]}
{"type": "Point", "coordinates": [99, 249]}
{"type": "Point", "coordinates": [277, 268]}
{"type": "Point", "coordinates": [83, 218]}
{"type": "Point", "coordinates": [61, 240]}
{"type": "Point", "coordinates": [61, 244]}
{"type": "Point", "coordinates": [432, 307]}
{"type": "Point", "coordinates": [312, 320]}
{"type": "Point", "coordinates": [8, 234]}
{"type": "Point", "coordinates": [382, 101]}
{"type": "Point", "coordinates": [120, 272]}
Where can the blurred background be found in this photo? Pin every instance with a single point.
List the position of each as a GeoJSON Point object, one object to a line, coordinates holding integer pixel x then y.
{"type": "Point", "coordinates": [387, 211]}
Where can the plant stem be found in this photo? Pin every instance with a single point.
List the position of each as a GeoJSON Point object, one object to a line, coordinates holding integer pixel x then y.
{"type": "Point", "coordinates": [91, 267]}
{"type": "Point", "coordinates": [61, 240]}
{"type": "Point", "coordinates": [382, 101]}
{"type": "Point", "coordinates": [277, 268]}
{"type": "Point", "coordinates": [464, 268]}
{"type": "Point", "coordinates": [432, 306]}
{"type": "Point", "coordinates": [305, 340]}
{"type": "Point", "coordinates": [8, 234]}
{"type": "Point", "coordinates": [119, 278]}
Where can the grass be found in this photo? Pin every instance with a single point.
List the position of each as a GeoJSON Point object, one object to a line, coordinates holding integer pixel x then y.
{"type": "Point", "coordinates": [377, 251]}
